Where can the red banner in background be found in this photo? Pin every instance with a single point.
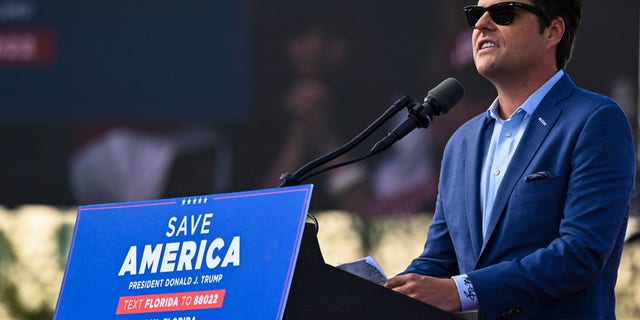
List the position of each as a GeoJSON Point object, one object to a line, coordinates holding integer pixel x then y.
{"type": "Point", "coordinates": [27, 47]}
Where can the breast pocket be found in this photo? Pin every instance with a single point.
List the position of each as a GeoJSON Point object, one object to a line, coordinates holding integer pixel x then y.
{"type": "Point", "coordinates": [553, 187]}
{"type": "Point", "coordinates": [539, 203]}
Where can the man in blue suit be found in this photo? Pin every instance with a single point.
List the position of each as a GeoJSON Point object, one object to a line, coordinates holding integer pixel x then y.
{"type": "Point", "coordinates": [534, 194]}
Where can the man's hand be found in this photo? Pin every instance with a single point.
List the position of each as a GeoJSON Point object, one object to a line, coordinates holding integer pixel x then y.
{"type": "Point", "coordinates": [440, 293]}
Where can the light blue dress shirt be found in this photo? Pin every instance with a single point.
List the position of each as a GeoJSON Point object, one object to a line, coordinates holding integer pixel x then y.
{"type": "Point", "coordinates": [504, 142]}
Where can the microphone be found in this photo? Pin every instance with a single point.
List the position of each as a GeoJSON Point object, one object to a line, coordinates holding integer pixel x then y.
{"type": "Point", "coordinates": [439, 100]}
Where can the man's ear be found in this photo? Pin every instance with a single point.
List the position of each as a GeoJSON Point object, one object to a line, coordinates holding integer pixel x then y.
{"type": "Point", "coordinates": [554, 32]}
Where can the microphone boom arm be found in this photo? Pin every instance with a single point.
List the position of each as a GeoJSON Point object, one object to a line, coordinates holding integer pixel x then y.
{"type": "Point", "coordinates": [293, 179]}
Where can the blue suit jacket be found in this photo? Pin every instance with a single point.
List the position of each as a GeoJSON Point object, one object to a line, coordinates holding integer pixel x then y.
{"type": "Point", "coordinates": [554, 243]}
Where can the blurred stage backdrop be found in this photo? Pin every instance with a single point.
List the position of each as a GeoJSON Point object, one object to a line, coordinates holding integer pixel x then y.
{"type": "Point", "coordinates": [128, 100]}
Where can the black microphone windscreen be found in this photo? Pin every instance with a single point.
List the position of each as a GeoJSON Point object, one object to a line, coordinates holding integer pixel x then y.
{"type": "Point", "coordinates": [448, 93]}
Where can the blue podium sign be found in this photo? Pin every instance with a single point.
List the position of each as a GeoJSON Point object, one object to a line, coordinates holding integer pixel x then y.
{"type": "Point", "coordinates": [227, 256]}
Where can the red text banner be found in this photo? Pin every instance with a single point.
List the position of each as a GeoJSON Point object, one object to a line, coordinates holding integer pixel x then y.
{"type": "Point", "coordinates": [178, 301]}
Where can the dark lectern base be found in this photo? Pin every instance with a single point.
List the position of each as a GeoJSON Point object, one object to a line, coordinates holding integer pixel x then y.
{"type": "Point", "coordinates": [320, 291]}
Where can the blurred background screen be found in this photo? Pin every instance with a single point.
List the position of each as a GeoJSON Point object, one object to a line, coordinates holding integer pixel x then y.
{"type": "Point", "coordinates": [71, 60]}
{"type": "Point", "coordinates": [110, 101]}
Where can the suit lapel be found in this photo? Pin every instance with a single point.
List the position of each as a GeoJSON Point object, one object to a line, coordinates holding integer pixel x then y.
{"type": "Point", "coordinates": [476, 151]}
{"type": "Point", "coordinates": [542, 121]}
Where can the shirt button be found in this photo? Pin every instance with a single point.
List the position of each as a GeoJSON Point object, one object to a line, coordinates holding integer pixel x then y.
{"type": "Point", "coordinates": [507, 134]}
{"type": "Point", "coordinates": [496, 172]}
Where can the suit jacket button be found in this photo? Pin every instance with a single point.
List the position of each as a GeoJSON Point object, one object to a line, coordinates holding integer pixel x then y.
{"type": "Point", "coordinates": [512, 312]}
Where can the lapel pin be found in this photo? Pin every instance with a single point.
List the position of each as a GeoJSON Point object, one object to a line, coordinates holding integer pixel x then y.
{"type": "Point", "coordinates": [542, 121]}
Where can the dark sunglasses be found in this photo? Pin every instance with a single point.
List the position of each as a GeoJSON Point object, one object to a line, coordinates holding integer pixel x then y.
{"type": "Point", "coordinates": [501, 13]}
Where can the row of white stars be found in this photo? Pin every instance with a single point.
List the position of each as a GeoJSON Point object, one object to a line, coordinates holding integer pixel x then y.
{"type": "Point", "coordinates": [190, 201]}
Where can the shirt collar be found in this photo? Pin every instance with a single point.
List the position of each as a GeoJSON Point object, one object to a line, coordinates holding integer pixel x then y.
{"type": "Point", "coordinates": [529, 105]}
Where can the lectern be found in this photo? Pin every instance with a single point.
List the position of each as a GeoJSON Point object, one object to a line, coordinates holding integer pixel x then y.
{"type": "Point", "coordinates": [321, 291]}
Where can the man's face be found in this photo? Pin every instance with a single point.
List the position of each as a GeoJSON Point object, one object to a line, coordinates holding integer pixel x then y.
{"type": "Point", "coordinates": [503, 52]}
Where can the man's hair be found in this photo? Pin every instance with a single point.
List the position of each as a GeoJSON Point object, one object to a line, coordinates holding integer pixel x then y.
{"type": "Point", "coordinates": [571, 12]}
